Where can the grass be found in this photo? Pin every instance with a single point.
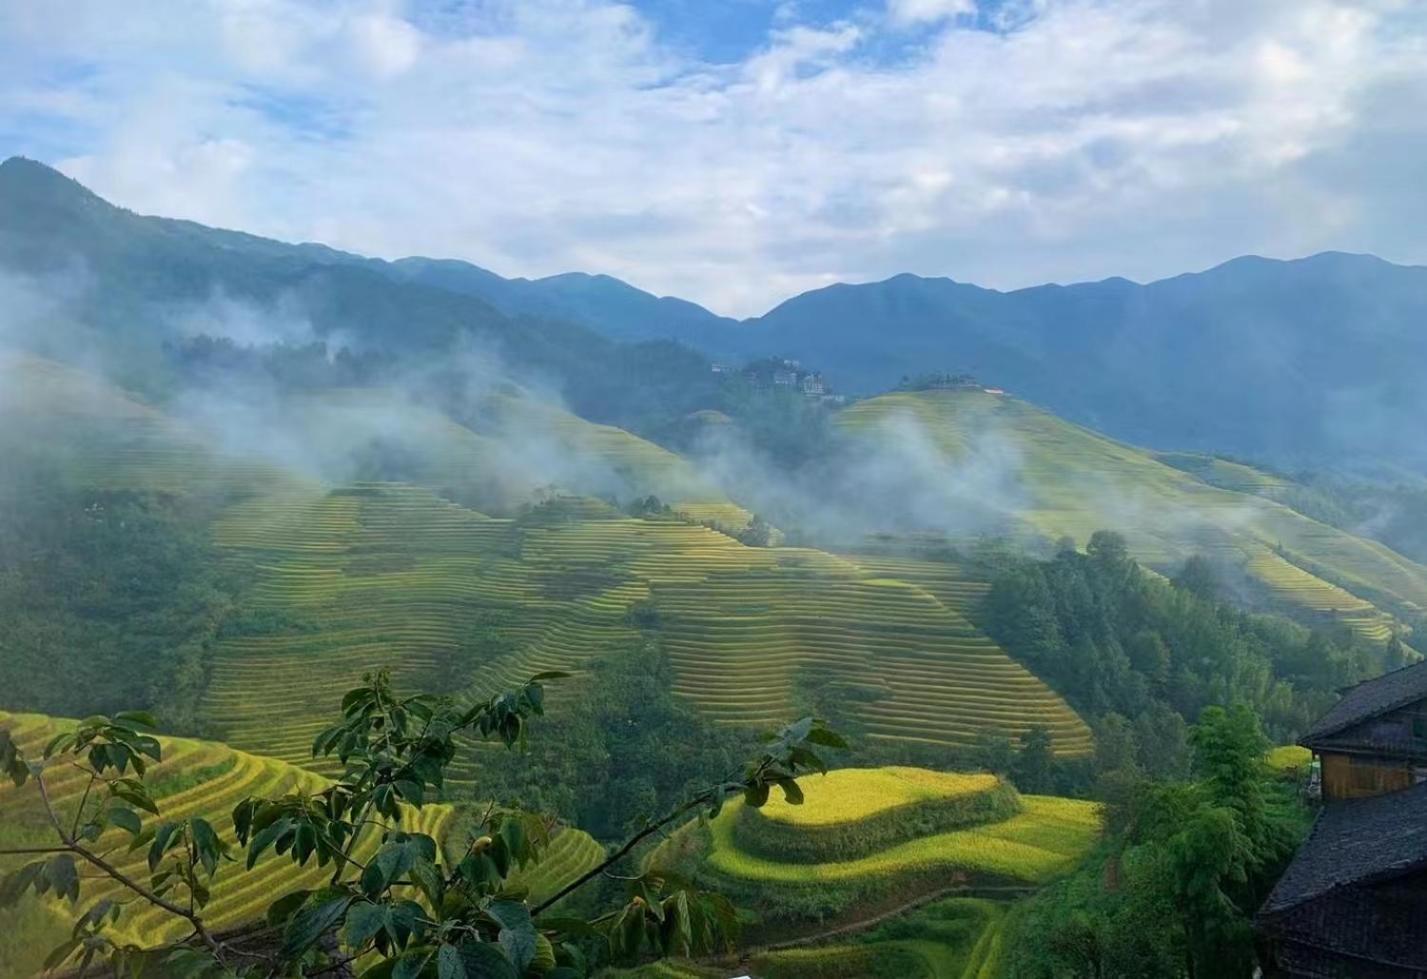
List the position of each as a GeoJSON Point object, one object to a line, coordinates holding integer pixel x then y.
{"type": "Point", "coordinates": [382, 574]}
{"type": "Point", "coordinates": [954, 938]}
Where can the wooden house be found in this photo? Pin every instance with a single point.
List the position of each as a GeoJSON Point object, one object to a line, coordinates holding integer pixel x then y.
{"type": "Point", "coordinates": [1374, 740]}
{"type": "Point", "coordinates": [1354, 901]}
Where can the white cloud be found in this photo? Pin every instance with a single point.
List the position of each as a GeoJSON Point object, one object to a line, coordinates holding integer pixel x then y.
{"type": "Point", "coordinates": [1097, 137]}
{"type": "Point", "coordinates": [921, 11]}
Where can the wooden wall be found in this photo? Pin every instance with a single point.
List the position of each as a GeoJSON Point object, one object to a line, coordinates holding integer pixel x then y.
{"type": "Point", "coordinates": [1357, 776]}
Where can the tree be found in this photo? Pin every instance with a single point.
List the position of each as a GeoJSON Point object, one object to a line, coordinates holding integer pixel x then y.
{"type": "Point", "coordinates": [1108, 547]}
{"type": "Point", "coordinates": [1035, 762]}
{"type": "Point", "coordinates": [413, 911]}
{"type": "Point", "coordinates": [1198, 577]}
{"type": "Point", "coordinates": [994, 752]}
{"type": "Point", "coordinates": [758, 533]}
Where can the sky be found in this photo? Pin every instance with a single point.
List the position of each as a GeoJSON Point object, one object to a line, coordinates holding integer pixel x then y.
{"type": "Point", "coordinates": [737, 152]}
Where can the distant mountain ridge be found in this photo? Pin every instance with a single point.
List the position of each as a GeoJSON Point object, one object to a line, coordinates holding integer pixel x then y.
{"type": "Point", "coordinates": [1303, 362]}
{"type": "Point", "coordinates": [124, 287]}
{"type": "Point", "coordinates": [1310, 362]}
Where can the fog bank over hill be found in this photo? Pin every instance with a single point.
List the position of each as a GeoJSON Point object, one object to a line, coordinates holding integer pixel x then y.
{"type": "Point", "coordinates": [1300, 363]}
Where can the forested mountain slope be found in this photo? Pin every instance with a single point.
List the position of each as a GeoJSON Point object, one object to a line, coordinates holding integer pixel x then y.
{"type": "Point", "coordinates": [86, 281]}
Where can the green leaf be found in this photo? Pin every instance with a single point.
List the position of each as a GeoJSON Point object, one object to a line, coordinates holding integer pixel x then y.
{"type": "Point", "coordinates": [264, 840]}
{"type": "Point", "coordinates": [428, 878]}
{"type": "Point", "coordinates": [13, 887]}
{"type": "Point", "coordinates": [207, 843]}
{"type": "Point", "coordinates": [791, 791]}
{"type": "Point", "coordinates": [126, 819]}
{"type": "Point", "coordinates": [483, 960]}
{"type": "Point", "coordinates": [550, 675]}
{"type": "Point", "coordinates": [412, 964]}
{"type": "Point", "coordinates": [311, 923]}
{"type": "Point", "coordinates": [827, 737]}
{"type": "Point", "coordinates": [449, 964]}
{"type": "Point", "coordinates": [284, 907]}
{"type": "Point", "coordinates": [165, 838]}
{"type": "Point", "coordinates": [60, 953]}
{"type": "Point", "coordinates": [63, 876]}
{"type": "Point", "coordinates": [134, 796]}
{"type": "Point", "coordinates": [142, 718]}
{"type": "Point", "coordinates": [363, 921]}
{"type": "Point", "coordinates": [517, 931]}
{"type": "Point", "coordinates": [756, 795]}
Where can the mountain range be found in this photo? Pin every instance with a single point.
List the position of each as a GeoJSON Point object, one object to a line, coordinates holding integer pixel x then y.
{"type": "Point", "coordinates": [1304, 363]}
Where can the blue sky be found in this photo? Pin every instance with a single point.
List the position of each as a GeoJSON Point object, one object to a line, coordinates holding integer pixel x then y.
{"type": "Point", "coordinates": [735, 152]}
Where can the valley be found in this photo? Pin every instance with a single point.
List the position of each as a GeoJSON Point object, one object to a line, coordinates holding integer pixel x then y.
{"type": "Point", "coordinates": [1008, 632]}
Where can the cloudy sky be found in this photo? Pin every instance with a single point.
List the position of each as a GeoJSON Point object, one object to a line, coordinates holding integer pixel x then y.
{"type": "Point", "coordinates": [735, 152]}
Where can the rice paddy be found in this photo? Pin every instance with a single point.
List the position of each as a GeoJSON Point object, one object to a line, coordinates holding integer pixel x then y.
{"type": "Point", "coordinates": [390, 574]}
{"type": "Point", "coordinates": [856, 812]}
{"type": "Point", "coordinates": [851, 795]}
{"type": "Point", "coordinates": [920, 902]}
{"type": "Point", "coordinates": [571, 852]}
{"type": "Point", "coordinates": [1045, 839]}
{"type": "Point", "coordinates": [225, 777]}
{"type": "Point", "coordinates": [1029, 842]}
{"type": "Point", "coordinates": [1076, 481]}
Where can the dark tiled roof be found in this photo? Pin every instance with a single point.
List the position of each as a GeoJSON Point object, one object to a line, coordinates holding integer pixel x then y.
{"type": "Point", "coordinates": [1370, 698]}
{"type": "Point", "coordinates": [1356, 841]}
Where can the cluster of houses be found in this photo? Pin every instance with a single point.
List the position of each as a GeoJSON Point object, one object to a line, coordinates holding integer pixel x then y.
{"type": "Point", "coordinates": [773, 373]}
{"type": "Point", "coordinates": [1354, 900]}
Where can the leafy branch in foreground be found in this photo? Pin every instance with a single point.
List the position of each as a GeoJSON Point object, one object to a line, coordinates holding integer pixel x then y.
{"type": "Point", "coordinates": [394, 905]}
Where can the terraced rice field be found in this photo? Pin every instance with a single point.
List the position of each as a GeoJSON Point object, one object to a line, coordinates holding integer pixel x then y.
{"type": "Point", "coordinates": [571, 853]}
{"type": "Point", "coordinates": [389, 574]}
{"type": "Point", "coordinates": [1289, 759]}
{"type": "Point", "coordinates": [857, 812]}
{"type": "Point", "coordinates": [931, 900]}
{"type": "Point", "coordinates": [205, 778]}
{"type": "Point", "coordinates": [1076, 482]}
{"type": "Point", "coordinates": [742, 639]}
{"type": "Point", "coordinates": [1046, 839]}
{"type": "Point", "coordinates": [851, 795]}
{"type": "Point", "coordinates": [105, 437]}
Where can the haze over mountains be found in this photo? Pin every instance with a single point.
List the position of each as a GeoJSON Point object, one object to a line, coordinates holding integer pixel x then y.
{"type": "Point", "coordinates": [1292, 362]}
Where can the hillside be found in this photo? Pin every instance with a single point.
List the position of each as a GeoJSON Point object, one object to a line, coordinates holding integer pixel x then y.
{"type": "Point", "coordinates": [343, 575]}
{"type": "Point", "coordinates": [87, 281]}
{"type": "Point", "coordinates": [1072, 481]}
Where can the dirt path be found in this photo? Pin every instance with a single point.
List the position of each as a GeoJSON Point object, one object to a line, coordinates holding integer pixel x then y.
{"type": "Point", "coordinates": [960, 890]}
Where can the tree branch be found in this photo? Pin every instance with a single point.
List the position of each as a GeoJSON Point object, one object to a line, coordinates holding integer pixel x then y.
{"type": "Point", "coordinates": [84, 801]}
{"type": "Point", "coordinates": [119, 876]}
{"type": "Point", "coordinates": [703, 799]}
{"type": "Point", "coordinates": [629, 845]}
{"type": "Point", "coordinates": [20, 851]}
